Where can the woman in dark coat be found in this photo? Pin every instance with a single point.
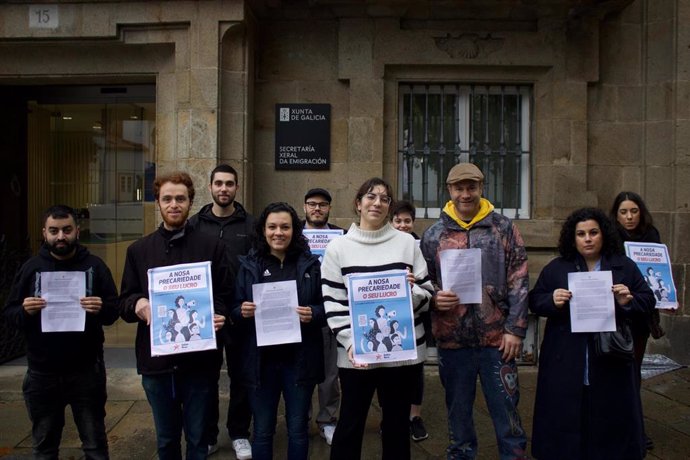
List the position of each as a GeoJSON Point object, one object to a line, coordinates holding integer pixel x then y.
{"type": "Point", "coordinates": [586, 406]}
{"type": "Point", "coordinates": [280, 253]}
{"type": "Point", "coordinates": [634, 223]}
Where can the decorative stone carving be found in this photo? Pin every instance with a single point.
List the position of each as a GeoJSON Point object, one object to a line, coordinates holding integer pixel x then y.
{"type": "Point", "coordinates": [468, 46]}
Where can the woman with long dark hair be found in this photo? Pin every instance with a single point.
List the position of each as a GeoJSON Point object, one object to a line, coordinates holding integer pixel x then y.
{"type": "Point", "coordinates": [586, 406]}
{"type": "Point", "coordinates": [280, 253]}
{"type": "Point", "coordinates": [634, 223]}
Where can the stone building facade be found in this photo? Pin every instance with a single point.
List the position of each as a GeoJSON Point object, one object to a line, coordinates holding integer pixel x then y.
{"type": "Point", "coordinates": [605, 95]}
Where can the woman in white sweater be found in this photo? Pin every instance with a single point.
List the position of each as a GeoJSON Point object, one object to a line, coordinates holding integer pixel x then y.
{"type": "Point", "coordinates": [373, 246]}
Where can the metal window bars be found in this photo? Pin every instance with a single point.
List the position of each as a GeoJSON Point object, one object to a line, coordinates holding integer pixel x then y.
{"type": "Point", "coordinates": [444, 124]}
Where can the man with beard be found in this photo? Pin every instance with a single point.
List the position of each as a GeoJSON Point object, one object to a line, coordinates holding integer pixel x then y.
{"type": "Point", "coordinates": [179, 386]}
{"type": "Point", "coordinates": [64, 367]}
{"type": "Point", "coordinates": [227, 220]}
{"type": "Point", "coordinates": [317, 207]}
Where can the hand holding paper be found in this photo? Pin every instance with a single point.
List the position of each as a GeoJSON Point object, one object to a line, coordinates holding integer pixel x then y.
{"type": "Point", "coordinates": [91, 304]}
{"type": "Point", "coordinates": [143, 310]}
{"type": "Point", "coordinates": [218, 322]}
{"type": "Point", "coordinates": [305, 314]}
{"type": "Point", "coordinates": [622, 294]}
{"type": "Point", "coordinates": [248, 309]}
{"type": "Point", "coordinates": [33, 305]}
{"type": "Point", "coordinates": [445, 300]}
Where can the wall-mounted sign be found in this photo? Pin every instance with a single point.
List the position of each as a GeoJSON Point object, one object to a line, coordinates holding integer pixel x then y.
{"type": "Point", "coordinates": [43, 17]}
{"type": "Point", "coordinates": [303, 136]}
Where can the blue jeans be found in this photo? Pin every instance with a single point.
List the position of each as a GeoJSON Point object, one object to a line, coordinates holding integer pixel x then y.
{"type": "Point", "coordinates": [179, 401]}
{"type": "Point", "coordinates": [458, 370]}
{"type": "Point", "coordinates": [47, 394]}
{"type": "Point", "coordinates": [277, 378]}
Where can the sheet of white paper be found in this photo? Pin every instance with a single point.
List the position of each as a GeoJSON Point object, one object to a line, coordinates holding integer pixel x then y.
{"type": "Point", "coordinates": [276, 316]}
{"type": "Point", "coordinates": [591, 308]}
{"type": "Point", "coordinates": [461, 272]}
{"type": "Point", "coordinates": [62, 291]}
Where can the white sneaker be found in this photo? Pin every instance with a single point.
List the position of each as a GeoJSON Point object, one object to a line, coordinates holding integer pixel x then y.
{"type": "Point", "coordinates": [243, 450]}
{"type": "Point", "coordinates": [327, 433]}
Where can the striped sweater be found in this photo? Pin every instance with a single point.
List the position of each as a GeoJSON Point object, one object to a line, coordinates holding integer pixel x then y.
{"type": "Point", "coordinates": [361, 251]}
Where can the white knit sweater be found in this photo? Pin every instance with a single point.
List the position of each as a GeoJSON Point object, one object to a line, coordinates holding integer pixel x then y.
{"type": "Point", "coordinates": [361, 251]}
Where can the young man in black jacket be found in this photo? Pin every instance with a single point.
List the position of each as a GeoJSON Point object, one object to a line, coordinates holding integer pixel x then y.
{"type": "Point", "coordinates": [177, 386]}
{"type": "Point", "coordinates": [64, 367]}
{"type": "Point", "coordinates": [227, 220]}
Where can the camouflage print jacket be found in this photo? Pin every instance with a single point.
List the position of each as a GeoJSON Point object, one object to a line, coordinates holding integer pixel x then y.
{"type": "Point", "coordinates": [504, 278]}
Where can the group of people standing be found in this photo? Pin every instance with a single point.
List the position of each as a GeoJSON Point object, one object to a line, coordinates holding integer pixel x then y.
{"type": "Point", "coordinates": [586, 406]}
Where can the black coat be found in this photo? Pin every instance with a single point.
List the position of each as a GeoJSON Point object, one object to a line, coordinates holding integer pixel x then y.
{"type": "Point", "coordinates": [159, 249]}
{"type": "Point", "coordinates": [62, 352]}
{"type": "Point", "coordinates": [235, 231]}
{"type": "Point", "coordinates": [308, 355]}
{"type": "Point", "coordinates": [614, 421]}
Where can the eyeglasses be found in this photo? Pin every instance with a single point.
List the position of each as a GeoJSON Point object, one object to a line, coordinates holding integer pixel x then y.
{"type": "Point", "coordinates": [318, 204]}
{"type": "Point", "coordinates": [385, 199]}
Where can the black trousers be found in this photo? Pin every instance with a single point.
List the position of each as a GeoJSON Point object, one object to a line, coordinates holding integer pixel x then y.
{"type": "Point", "coordinates": [393, 387]}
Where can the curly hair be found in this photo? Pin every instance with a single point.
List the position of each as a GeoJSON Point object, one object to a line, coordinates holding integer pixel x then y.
{"type": "Point", "coordinates": [298, 243]}
{"type": "Point", "coordinates": [566, 242]}
{"type": "Point", "coordinates": [646, 220]}
{"type": "Point", "coordinates": [176, 177]}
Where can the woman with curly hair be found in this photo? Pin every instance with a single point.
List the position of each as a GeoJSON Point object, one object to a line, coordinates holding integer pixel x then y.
{"type": "Point", "coordinates": [280, 253]}
{"type": "Point", "coordinates": [586, 406]}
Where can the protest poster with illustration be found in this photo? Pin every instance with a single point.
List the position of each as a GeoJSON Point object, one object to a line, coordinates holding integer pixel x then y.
{"type": "Point", "coordinates": [181, 298]}
{"type": "Point", "coordinates": [655, 265]}
{"type": "Point", "coordinates": [381, 317]}
{"type": "Point", "coordinates": [319, 239]}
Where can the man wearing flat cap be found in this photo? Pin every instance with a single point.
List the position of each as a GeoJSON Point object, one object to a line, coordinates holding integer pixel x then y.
{"type": "Point", "coordinates": [317, 207]}
{"type": "Point", "coordinates": [479, 338]}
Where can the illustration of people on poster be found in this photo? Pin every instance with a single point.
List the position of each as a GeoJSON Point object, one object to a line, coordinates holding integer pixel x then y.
{"type": "Point", "coordinates": [381, 317]}
{"type": "Point", "coordinates": [181, 299]}
{"type": "Point", "coordinates": [653, 261]}
{"type": "Point", "coordinates": [319, 239]}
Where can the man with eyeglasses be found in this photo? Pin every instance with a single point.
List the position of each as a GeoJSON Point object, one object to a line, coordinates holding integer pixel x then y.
{"type": "Point", "coordinates": [317, 207]}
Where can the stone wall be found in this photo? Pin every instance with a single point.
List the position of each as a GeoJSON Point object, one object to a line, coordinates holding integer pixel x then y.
{"type": "Point", "coordinates": [611, 91]}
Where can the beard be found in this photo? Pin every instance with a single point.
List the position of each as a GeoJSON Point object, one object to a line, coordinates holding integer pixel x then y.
{"type": "Point", "coordinates": [317, 221]}
{"type": "Point", "coordinates": [223, 204]}
{"type": "Point", "coordinates": [175, 222]}
{"type": "Point", "coordinates": [63, 250]}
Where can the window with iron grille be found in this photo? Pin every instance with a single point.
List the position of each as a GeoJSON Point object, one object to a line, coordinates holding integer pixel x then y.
{"type": "Point", "coordinates": [445, 124]}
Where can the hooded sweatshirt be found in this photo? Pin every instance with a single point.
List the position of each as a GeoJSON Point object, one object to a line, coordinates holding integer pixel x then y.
{"type": "Point", "coordinates": [63, 352]}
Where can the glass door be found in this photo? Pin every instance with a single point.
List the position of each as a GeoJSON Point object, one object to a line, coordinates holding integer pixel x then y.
{"type": "Point", "coordinates": [96, 153]}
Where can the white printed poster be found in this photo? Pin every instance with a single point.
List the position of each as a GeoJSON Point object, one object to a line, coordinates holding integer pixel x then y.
{"type": "Point", "coordinates": [655, 265]}
{"type": "Point", "coordinates": [381, 317]}
{"type": "Point", "coordinates": [181, 298]}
